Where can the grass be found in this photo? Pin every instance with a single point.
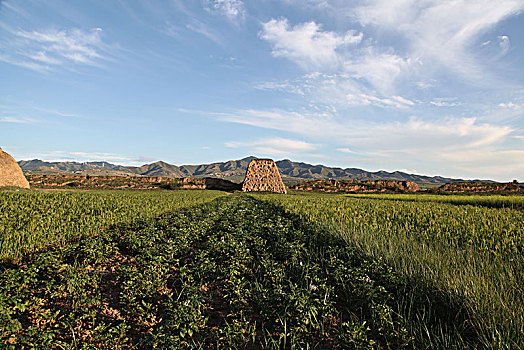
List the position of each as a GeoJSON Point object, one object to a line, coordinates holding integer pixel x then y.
{"type": "Point", "coordinates": [490, 201]}
{"type": "Point", "coordinates": [130, 269]}
{"type": "Point", "coordinates": [31, 220]}
{"type": "Point", "coordinates": [471, 255]}
{"type": "Point", "coordinates": [233, 273]}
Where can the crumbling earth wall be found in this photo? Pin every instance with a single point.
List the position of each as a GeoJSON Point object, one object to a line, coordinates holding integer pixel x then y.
{"type": "Point", "coordinates": [10, 173]}
{"type": "Point", "coordinates": [263, 175]}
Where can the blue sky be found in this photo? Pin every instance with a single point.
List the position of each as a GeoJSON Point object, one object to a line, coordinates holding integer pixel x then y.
{"type": "Point", "coordinates": [433, 87]}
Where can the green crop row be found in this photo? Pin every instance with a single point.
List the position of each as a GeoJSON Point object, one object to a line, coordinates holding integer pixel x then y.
{"type": "Point", "coordinates": [490, 201]}
{"type": "Point", "coordinates": [471, 253]}
{"type": "Point", "coordinates": [234, 273]}
{"type": "Point", "coordinates": [496, 231]}
{"type": "Point", "coordinates": [32, 220]}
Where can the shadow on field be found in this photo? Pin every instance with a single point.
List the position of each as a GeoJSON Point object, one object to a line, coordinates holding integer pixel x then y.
{"type": "Point", "coordinates": [435, 319]}
{"type": "Point", "coordinates": [234, 273]}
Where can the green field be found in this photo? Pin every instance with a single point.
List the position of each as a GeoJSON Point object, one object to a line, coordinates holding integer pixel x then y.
{"type": "Point", "coordinates": [472, 254]}
{"type": "Point", "coordinates": [203, 269]}
{"type": "Point", "coordinates": [31, 220]}
{"type": "Point", "coordinates": [490, 201]}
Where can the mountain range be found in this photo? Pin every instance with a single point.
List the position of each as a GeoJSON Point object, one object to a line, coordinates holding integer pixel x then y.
{"type": "Point", "coordinates": [233, 170]}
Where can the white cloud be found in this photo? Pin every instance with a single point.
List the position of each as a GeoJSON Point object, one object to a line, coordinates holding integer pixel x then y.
{"type": "Point", "coordinates": [444, 102]}
{"type": "Point", "coordinates": [432, 144]}
{"type": "Point", "coordinates": [441, 31]}
{"type": "Point", "coordinates": [17, 120]}
{"type": "Point", "coordinates": [52, 48]}
{"type": "Point", "coordinates": [336, 92]}
{"type": "Point", "coordinates": [276, 146]}
{"type": "Point", "coordinates": [512, 105]}
{"type": "Point", "coordinates": [315, 4]}
{"type": "Point", "coordinates": [100, 156]}
{"type": "Point", "coordinates": [80, 156]}
{"type": "Point", "coordinates": [311, 124]}
{"type": "Point", "coordinates": [36, 66]}
{"type": "Point", "coordinates": [359, 66]}
{"type": "Point", "coordinates": [447, 133]}
{"type": "Point", "coordinates": [424, 85]}
{"type": "Point", "coordinates": [504, 44]}
{"type": "Point", "coordinates": [232, 9]}
{"type": "Point", "coordinates": [379, 69]}
{"type": "Point", "coordinates": [430, 36]}
{"type": "Point", "coordinates": [306, 44]}
{"type": "Point", "coordinates": [366, 100]}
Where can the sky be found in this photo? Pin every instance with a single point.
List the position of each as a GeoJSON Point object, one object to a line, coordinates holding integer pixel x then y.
{"type": "Point", "coordinates": [433, 87]}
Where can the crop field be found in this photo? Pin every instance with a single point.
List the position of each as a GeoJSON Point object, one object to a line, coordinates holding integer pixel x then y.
{"type": "Point", "coordinates": [472, 254]}
{"type": "Point", "coordinates": [32, 220]}
{"type": "Point", "coordinates": [490, 201]}
{"type": "Point", "coordinates": [200, 269]}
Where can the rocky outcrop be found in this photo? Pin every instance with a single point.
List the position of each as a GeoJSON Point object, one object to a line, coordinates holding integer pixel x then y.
{"type": "Point", "coordinates": [480, 187]}
{"type": "Point", "coordinates": [10, 173]}
{"type": "Point", "coordinates": [350, 186]}
{"type": "Point", "coordinates": [263, 175]}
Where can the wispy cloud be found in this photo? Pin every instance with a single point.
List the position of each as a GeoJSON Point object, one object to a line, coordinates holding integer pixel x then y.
{"type": "Point", "coordinates": [444, 102]}
{"type": "Point", "coordinates": [441, 32]}
{"type": "Point", "coordinates": [203, 29]}
{"type": "Point", "coordinates": [232, 9]}
{"type": "Point", "coordinates": [365, 99]}
{"type": "Point", "coordinates": [29, 112]}
{"type": "Point", "coordinates": [17, 120]}
{"type": "Point", "coordinates": [336, 91]}
{"type": "Point", "coordinates": [307, 124]}
{"type": "Point", "coordinates": [276, 146]}
{"type": "Point", "coordinates": [438, 144]}
{"type": "Point", "coordinates": [44, 50]}
{"type": "Point", "coordinates": [56, 112]}
{"type": "Point", "coordinates": [81, 156]}
{"type": "Point", "coordinates": [432, 39]}
{"type": "Point", "coordinates": [425, 134]}
{"type": "Point", "coordinates": [512, 105]}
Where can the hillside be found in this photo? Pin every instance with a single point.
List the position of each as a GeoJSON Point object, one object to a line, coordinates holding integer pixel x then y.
{"type": "Point", "coordinates": [233, 170]}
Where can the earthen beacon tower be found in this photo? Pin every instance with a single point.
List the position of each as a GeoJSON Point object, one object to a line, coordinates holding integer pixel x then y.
{"type": "Point", "coordinates": [263, 175]}
{"type": "Point", "coordinates": [10, 172]}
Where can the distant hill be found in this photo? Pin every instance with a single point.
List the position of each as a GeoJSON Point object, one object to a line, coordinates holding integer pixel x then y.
{"type": "Point", "coordinates": [233, 170]}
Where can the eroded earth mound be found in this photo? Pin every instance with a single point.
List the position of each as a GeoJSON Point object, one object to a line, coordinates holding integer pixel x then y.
{"type": "Point", "coordinates": [10, 173]}
{"type": "Point", "coordinates": [263, 175]}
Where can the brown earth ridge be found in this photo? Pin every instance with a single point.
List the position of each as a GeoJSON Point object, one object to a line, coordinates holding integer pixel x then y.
{"type": "Point", "coordinates": [126, 182]}
{"type": "Point", "coordinates": [350, 186]}
{"type": "Point", "coordinates": [65, 182]}
{"type": "Point", "coordinates": [394, 186]}
{"type": "Point", "coordinates": [481, 187]}
{"type": "Point", "coordinates": [10, 173]}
